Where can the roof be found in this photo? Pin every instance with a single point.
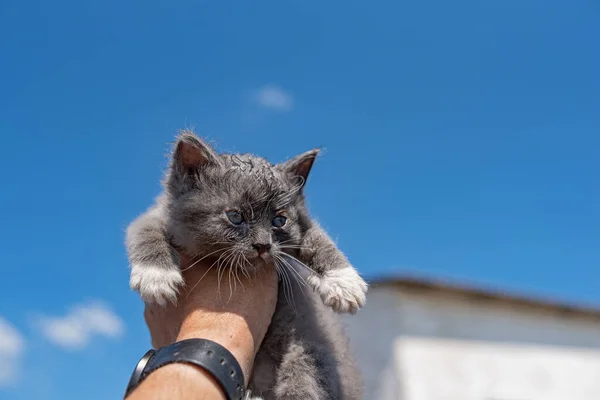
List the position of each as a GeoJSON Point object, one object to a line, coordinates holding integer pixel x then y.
{"type": "Point", "coordinates": [479, 293]}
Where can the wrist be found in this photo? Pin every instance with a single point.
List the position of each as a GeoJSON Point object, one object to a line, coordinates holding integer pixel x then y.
{"type": "Point", "coordinates": [227, 329]}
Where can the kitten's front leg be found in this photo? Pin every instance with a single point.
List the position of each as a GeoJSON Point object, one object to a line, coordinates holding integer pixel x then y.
{"type": "Point", "coordinates": [155, 271]}
{"type": "Point", "coordinates": [335, 279]}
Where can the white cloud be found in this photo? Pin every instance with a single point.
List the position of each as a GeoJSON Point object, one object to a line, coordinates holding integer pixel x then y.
{"type": "Point", "coordinates": [275, 98]}
{"type": "Point", "coordinates": [12, 346]}
{"type": "Point", "coordinates": [76, 329]}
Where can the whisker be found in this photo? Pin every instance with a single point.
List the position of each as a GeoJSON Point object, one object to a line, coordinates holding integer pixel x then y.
{"type": "Point", "coordinates": [287, 197]}
{"type": "Point", "coordinates": [302, 283]}
{"type": "Point", "coordinates": [280, 271]}
{"type": "Point", "coordinates": [287, 241]}
{"type": "Point", "coordinates": [293, 246]}
{"type": "Point", "coordinates": [237, 266]}
{"type": "Point", "coordinates": [219, 242]}
{"type": "Point", "coordinates": [260, 199]}
{"type": "Point", "coordinates": [290, 291]}
{"type": "Point", "coordinates": [224, 265]}
{"type": "Point", "coordinates": [300, 263]}
{"type": "Point", "coordinates": [287, 290]}
{"type": "Point", "coordinates": [244, 269]}
{"type": "Point", "coordinates": [197, 261]}
{"type": "Point", "coordinates": [237, 277]}
{"type": "Point", "coordinates": [207, 271]}
{"type": "Point", "coordinates": [230, 268]}
{"type": "Point", "coordinates": [220, 267]}
{"type": "Point", "coordinates": [292, 275]}
{"type": "Point", "coordinates": [300, 279]}
{"type": "Point", "coordinates": [234, 270]}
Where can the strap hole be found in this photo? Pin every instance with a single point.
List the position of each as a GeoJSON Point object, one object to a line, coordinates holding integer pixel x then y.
{"type": "Point", "coordinates": [222, 361]}
{"type": "Point", "coordinates": [210, 353]}
{"type": "Point", "coordinates": [232, 372]}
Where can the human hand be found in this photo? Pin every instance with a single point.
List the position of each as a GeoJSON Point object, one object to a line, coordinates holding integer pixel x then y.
{"type": "Point", "coordinates": [234, 314]}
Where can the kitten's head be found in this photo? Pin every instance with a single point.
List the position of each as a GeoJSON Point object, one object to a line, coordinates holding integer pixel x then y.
{"type": "Point", "coordinates": [236, 206]}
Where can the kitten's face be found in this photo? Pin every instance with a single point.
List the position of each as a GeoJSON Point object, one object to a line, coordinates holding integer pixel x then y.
{"type": "Point", "coordinates": [239, 209]}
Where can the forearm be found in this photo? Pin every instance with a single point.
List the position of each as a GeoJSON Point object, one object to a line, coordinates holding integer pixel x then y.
{"type": "Point", "coordinates": [228, 329]}
{"type": "Point", "coordinates": [186, 382]}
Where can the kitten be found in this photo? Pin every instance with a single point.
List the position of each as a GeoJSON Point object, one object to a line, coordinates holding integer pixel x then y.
{"type": "Point", "coordinates": [224, 207]}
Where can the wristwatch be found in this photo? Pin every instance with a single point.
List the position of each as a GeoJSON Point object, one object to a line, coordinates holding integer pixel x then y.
{"type": "Point", "coordinates": [206, 354]}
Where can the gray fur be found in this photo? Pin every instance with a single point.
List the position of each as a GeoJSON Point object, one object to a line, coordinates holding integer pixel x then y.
{"type": "Point", "coordinates": [305, 354]}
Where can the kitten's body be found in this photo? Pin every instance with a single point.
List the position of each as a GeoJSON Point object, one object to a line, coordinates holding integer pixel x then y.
{"type": "Point", "coordinates": [229, 208]}
{"type": "Point", "coordinates": [305, 354]}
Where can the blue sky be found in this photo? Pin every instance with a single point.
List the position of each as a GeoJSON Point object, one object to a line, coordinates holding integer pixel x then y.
{"type": "Point", "coordinates": [462, 141]}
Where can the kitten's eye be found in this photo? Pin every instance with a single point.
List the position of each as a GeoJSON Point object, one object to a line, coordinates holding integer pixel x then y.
{"type": "Point", "coordinates": [235, 217]}
{"type": "Point", "coordinates": [279, 221]}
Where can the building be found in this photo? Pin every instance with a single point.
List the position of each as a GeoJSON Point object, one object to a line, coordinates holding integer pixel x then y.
{"type": "Point", "coordinates": [424, 340]}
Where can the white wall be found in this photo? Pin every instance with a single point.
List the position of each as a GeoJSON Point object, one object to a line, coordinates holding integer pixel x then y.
{"type": "Point", "coordinates": [390, 313]}
{"type": "Point", "coordinates": [437, 369]}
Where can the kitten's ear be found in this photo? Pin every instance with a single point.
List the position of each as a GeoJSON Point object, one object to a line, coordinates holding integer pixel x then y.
{"type": "Point", "coordinates": [192, 153]}
{"type": "Point", "coordinates": [299, 167]}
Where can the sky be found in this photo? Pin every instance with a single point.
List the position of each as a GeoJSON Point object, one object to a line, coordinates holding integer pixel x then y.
{"type": "Point", "coordinates": [461, 143]}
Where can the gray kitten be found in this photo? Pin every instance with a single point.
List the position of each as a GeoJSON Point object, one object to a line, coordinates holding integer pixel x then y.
{"type": "Point", "coordinates": [244, 213]}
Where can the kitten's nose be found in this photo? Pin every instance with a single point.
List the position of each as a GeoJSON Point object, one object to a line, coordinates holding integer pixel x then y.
{"type": "Point", "coordinates": [262, 248]}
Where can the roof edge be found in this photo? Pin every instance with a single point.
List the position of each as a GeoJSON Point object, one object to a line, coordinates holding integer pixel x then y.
{"type": "Point", "coordinates": [486, 293]}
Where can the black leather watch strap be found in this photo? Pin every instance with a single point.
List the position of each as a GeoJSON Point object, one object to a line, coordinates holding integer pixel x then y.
{"type": "Point", "coordinates": [208, 355]}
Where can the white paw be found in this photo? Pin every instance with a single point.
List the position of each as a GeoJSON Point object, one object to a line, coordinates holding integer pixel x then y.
{"type": "Point", "coordinates": [341, 289]}
{"type": "Point", "coordinates": [156, 284]}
